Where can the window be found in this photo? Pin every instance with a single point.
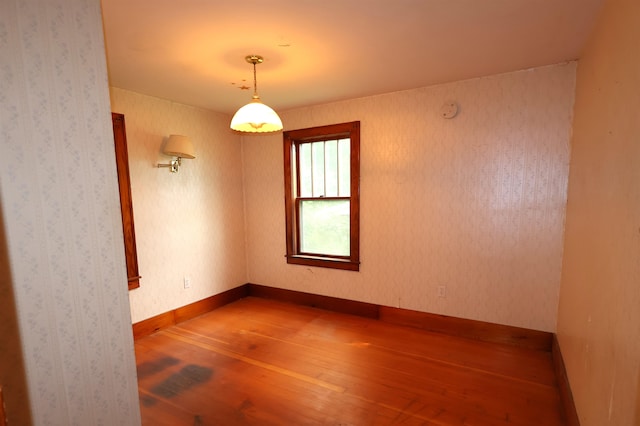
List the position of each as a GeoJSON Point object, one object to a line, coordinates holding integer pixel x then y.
{"type": "Point", "coordinates": [322, 196]}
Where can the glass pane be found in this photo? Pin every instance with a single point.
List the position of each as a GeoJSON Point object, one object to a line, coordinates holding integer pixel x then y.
{"type": "Point", "coordinates": [324, 227]}
{"type": "Point", "coordinates": [317, 149]}
{"type": "Point", "coordinates": [344, 167]}
{"type": "Point", "coordinates": [331, 168]}
{"type": "Point", "coordinates": [305, 170]}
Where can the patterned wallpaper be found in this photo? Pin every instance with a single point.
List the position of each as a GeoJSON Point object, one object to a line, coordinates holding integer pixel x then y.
{"type": "Point", "coordinates": [59, 195]}
{"type": "Point", "coordinates": [599, 315]}
{"type": "Point", "coordinates": [190, 223]}
{"type": "Point", "coordinates": [475, 203]}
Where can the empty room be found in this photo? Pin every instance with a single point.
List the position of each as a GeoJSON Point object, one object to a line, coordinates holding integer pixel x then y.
{"type": "Point", "coordinates": [433, 219]}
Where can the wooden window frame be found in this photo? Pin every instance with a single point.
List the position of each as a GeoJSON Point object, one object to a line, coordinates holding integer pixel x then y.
{"type": "Point", "coordinates": [292, 139]}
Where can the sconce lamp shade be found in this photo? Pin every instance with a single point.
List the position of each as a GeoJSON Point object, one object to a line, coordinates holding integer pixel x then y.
{"type": "Point", "coordinates": [256, 117]}
{"type": "Point", "coordinates": [180, 146]}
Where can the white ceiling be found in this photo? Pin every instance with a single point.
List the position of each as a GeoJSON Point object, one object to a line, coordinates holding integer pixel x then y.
{"type": "Point", "coordinates": [317, 51]}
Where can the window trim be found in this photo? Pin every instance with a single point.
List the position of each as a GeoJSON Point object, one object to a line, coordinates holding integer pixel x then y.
{"type": "Point", "coordinates": [293, 138]}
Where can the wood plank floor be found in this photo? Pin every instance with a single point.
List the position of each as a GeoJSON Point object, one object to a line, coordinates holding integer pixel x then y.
{"type": "Point", "coordinates": [263, 362]}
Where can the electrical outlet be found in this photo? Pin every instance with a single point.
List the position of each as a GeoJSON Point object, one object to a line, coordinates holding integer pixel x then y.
{"type": "Point", "coordinates": [187, 282]}
{"type": "Point", "coordinates": [442, 291]}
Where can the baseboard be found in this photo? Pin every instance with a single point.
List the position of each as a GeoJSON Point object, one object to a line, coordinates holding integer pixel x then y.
{"type": "Point", "coordinates": [471, 329]}
{"type": "Point", "coordinates": [328, 303]}
{"type": "Point", "coordinates": [566, 396]}
{"type": "Point", "coordinates": [3, 415]}
{"type": "Point", "coordinates": [151, 325]}
{"type": "Point", "coordinates": [478, 330]}
{"type": "Point", "coordinates": [192, 310]}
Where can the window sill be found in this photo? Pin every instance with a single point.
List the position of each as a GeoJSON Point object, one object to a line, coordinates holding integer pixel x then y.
{"type": "Point", "coordinates": [323, 262]}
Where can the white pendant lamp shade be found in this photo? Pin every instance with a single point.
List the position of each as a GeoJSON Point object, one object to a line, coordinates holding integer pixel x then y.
{"type": "Point", "coordinates": [256, 117]}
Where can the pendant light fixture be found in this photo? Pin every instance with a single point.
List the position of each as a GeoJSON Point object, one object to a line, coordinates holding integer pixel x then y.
{"type": "Point", "coordinates": [256, 117]}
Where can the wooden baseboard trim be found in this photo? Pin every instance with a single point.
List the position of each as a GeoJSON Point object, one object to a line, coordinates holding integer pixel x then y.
{"type": "Point", "coordinates": [328, 303]}
{"type": "Point", "coordinates": [151, 325]}
{"type": "Point", "coordinates": [566, 396]}
{"type": "Point", "coordinates": [470, 329]}
{"type": "Point", "coordinates": [478, 330]}
{"type": "Point", "coordinates": [192, 310]}
{"type": "Point", "coordinates": [3, 415]}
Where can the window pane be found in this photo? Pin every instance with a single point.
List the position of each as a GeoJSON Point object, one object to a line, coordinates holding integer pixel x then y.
{"type": "Point", "coordinates": [331, 168]}
{"type": "Point", "coordinates": [305, 170]}
{"type": "Point", "coordinates": [344, 167]}
{"type": "Point", "coordinates": [324, 227]}
{"type": "Point", "coordinates": [317, 149]}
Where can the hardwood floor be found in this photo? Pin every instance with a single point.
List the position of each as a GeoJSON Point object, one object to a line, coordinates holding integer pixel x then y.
{"type": "Point", "coordinates": [263, 362]}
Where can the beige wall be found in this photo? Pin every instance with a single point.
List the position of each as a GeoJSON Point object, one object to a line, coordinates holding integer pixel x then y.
{"type": "Point", "coordinates": [59, 196]}
{"type": "Point", "coordinates": [188, 224]}
{"type": "Point", "coordinates": [599, 310]}
{"type": "Point", "coordinates": [475, 203]}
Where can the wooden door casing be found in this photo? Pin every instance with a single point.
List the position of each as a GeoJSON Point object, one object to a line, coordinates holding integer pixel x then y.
{"type": "Point", "coordinates": [126, 205]}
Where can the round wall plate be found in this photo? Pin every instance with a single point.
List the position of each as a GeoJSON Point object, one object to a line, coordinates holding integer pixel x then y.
{"type": "Point", "coordinates": [449, 110]}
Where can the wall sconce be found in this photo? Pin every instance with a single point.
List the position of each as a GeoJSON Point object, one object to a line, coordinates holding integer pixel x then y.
{"type": "Point", "coordinates": [180, 147]}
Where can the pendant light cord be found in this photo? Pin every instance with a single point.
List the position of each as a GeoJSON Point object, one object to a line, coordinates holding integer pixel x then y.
{"type": "Point", "coordinates": [255, 81]}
